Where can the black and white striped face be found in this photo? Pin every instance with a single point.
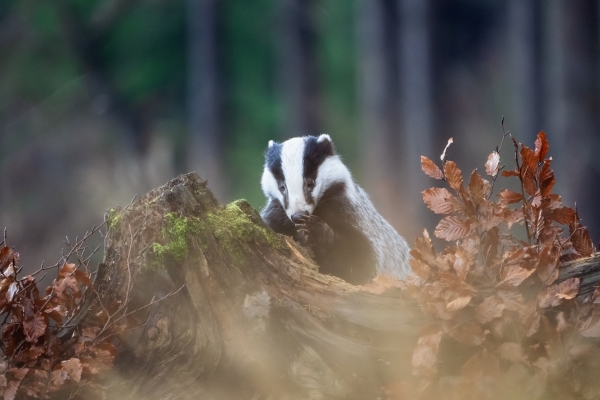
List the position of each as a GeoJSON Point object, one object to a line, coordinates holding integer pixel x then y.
{"type": "Point", "coordinates": [300, 170]}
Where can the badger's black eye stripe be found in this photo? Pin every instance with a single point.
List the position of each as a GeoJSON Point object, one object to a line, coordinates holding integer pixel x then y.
{"type": "Point", "coordinates": [314, 155]}
{"type": "Point", "coordinates": [273, 161]}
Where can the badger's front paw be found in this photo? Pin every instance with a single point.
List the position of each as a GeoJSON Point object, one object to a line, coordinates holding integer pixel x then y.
{"type": "Point", "coordinates": [313, 231]}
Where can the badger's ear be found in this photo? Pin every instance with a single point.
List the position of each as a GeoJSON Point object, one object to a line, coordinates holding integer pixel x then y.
{"type": "Point", "coordinates": [271, 143]}
{"type": "Point", "coordinates": [325, 144]}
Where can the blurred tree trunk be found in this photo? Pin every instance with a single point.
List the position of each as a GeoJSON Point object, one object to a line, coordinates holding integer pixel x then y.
{"type": "Point", "coordinates": [572, 101]}
{"type": "Point", "coordinates": [378, 99]}
{"type": "Point", "coordinates": [524, 51]}
{"type": "Point", "coordinates": [416, 103]}
{"type": "Point", "coordinates": [206, 136]}
{"type": "Point", "coordinates": [298, 77]}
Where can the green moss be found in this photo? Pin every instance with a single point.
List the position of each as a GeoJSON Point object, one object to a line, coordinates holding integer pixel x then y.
{"type": "Point", "coordinates": [113, 218]}
{"type": "Point", "coordinates": [235, 225]}
{"type": "Point", "coordinates": [177, 231]}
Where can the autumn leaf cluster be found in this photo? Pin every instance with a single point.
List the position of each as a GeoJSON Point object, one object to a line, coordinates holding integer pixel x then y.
{"type": "Point", "coordinates": [44, 354]}
{"type": "Point", "coordinates": [504, 323]}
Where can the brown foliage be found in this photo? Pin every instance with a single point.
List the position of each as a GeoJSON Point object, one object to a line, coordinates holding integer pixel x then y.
{"type": "Point", "coordinates": [492, 293]}
{"type": "Point", "coordinates": [42, 354]}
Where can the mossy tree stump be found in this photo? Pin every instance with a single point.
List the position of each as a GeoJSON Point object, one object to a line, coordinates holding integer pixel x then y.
{"type": "Point", "coordinates": [254, 319]}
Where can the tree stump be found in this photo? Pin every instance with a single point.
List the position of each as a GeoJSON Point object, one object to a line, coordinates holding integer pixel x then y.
{"type": "Point", "coordinates": [227, 309]}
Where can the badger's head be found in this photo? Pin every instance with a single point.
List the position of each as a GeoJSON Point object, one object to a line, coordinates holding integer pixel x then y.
{"type": "Point", "coordinates": [300, 171]}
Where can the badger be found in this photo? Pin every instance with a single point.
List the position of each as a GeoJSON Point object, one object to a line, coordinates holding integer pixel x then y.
{"type": "Point", "coordinates": [312, 197]}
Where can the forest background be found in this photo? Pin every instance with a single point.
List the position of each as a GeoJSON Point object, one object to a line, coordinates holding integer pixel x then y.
{"type": "Point", "coordinates": [104, 99]}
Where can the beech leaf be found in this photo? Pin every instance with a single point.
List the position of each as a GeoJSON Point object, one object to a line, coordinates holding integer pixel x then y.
{"type": "Point", "coordinates": [453, 175]}
{"type": "Point", "coordinates": [509, 197]}
{"type": "Point", "coordinates": [453, 228]}
{"type": "Point", "coordinates": [541, 146]}
{"type": "Point", "coordinates": [430, 168]}
{"type": "Point", "coordinates": [467, 333]}
{"type": "Point", "coordinates": [73, 368]}
{"type": "Point", "coordinates": [489, 309]}
{"type": "Point", "coordinates": [516, 275]}
{"type": "Point", "coordinates": [458, 303]}
{"type": "Point", "coordinates": [424, 358]}
{"type": "Point", "coordinates": [439, 200]}
{"type": "Point", "coordinates": [492, 164]}
{"type": "Point", "coordinates": [35, 327]}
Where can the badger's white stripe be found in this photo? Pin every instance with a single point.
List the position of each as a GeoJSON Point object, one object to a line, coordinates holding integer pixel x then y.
{"type": "Point", "coordinates": [269, 185]}
{"type": "Point", "coordinates": [331, 171]}
{"type": "Point", "coordinates": [292, 164]}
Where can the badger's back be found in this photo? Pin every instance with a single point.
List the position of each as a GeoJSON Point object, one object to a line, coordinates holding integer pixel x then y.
{"type": "Point", "coordinates": [391, 250]}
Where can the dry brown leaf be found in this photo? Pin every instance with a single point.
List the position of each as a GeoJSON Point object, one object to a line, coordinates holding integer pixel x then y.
{"type": "Point", "coordinates": [509, 197]}
{"type": "Point", "coordinates": [511, 352]}
{"type": "Point", "coordinates": [439, 200]}
{"type": "Point", "coordinates": [532, 323]}
{"type": "Point", "coordinates": [582, 242]}
{"type": "Point", "coordinates": [591, 328]}
{"type": "Point", "coordinates": [492, 164]}
{"type": "Point", "coordinates": [381, 283]}
{"type": "Point", "coordinates": [453, 228]}
{"type": "Point", "coordinates": [515, 276]}
{"type": "Point", "coordinates": [430, 168]}
{"type": "Point", "coordinates": [467, 333]}
{"type": "Point", "coordinates": [563, 215]}
{"type": "Point", "coordinates": [453, 176]}
{"type": "Point", "coordinates": [568, 289]}
{"type": "Point", "coordinates": [73, 368]}
{"type": "Point", "coordinates": [11, 390]}
{"type": "Point", "coordinates": [35, 327]}
{"type": "Point", "coordinates": [424, 358]}
{"type": "Point", "coordinates": [458, 303]}
{"type": "Point", "coordinates": [490, 308]}
{"type": "Point", "coordinates": [546, 179]}
{"type": "Point", "coordinates": [510, 173]}
{"type": "Point", "coordinates": [478, 188]}
{"type": "Point", "coordinates": [541, 146]}
{"type": "Point", "coordinates": [462, 262]}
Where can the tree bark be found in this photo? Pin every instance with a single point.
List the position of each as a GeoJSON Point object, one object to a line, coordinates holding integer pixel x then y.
{"type": "Point", "coordinates": [244, 312]}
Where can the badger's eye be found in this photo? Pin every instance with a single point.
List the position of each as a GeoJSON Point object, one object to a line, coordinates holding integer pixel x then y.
{"type": "Point", "coordinates": [282, 187]}
{"type": "Point", "coordinates": [310, 183]}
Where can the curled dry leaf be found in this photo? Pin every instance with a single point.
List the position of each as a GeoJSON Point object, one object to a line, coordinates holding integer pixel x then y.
{"type": "Point", "coordinates": [430, 168]}
{"type": "Point", "coordinates": [492, 164]}
{"type": "Point", "coordinates": [541, 146]}
{"type": "Point", "coordinates": [458, 303]}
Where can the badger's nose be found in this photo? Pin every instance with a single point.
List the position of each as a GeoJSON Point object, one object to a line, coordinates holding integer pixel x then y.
{"type": "Point", "coordinates": [298, 216]}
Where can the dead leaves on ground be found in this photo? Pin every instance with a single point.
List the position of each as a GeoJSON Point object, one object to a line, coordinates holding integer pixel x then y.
{"type": "Point", "coordinates": [493, 291]}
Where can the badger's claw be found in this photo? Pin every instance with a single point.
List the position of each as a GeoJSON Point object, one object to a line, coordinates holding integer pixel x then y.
{"type": "Point", "coordinates": [313, 231]}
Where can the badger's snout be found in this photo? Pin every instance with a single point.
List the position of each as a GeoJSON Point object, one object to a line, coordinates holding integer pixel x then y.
{"type": "Point", "coordinates": [296, 217]}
